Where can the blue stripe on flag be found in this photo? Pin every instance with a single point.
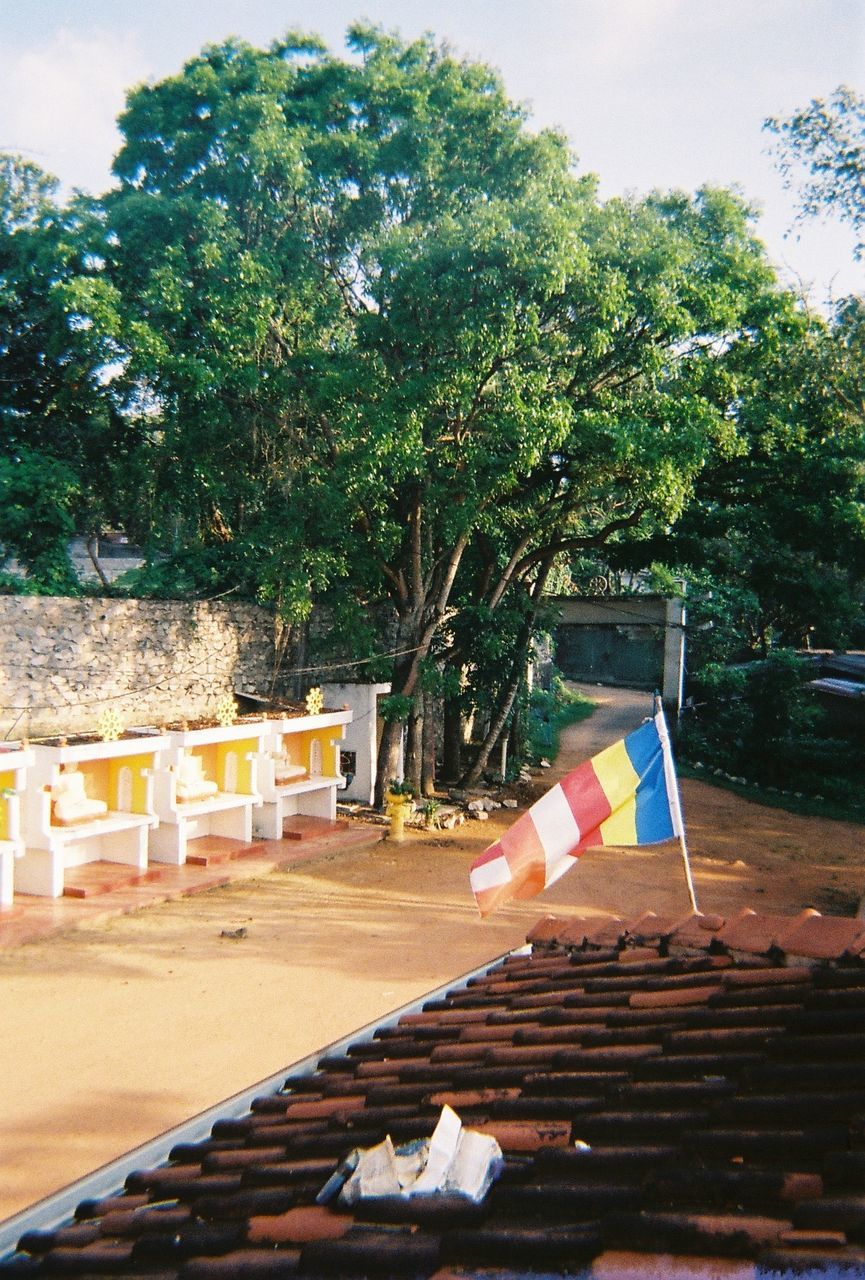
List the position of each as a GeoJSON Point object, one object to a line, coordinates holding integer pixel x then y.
{"type": "Point", "coordinates": [654, 820]}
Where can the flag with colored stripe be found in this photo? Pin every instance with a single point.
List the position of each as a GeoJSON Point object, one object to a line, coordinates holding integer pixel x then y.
{"type": "Point", "coordinates": [625, 795]}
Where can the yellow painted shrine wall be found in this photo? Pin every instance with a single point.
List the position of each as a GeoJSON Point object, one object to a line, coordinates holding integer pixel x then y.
{"type": "Point", "coordinates": [213, 756]}
{"type": "Point", "coordinates": [7, 781]}
{"type": "Point", "coordinates": [101, 778]}
{"type": "Point", "coordinates": [299, 745]}
{"type": "Point", "coordinates": [242, 749]}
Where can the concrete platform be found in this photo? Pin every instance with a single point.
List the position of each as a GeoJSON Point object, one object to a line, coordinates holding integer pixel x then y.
{"type": "Point", "coordinates": [101, 890]}
{"type": "Point", "coordinates": [210, 851]}
{"type": "Point", "coordinates": [302, 827]}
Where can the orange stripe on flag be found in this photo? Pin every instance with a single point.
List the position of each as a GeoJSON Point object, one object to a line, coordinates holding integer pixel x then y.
{"type": "Point", "coordinates": [524, 851]}
{"type": "Point", "coordinates": [491, 879]}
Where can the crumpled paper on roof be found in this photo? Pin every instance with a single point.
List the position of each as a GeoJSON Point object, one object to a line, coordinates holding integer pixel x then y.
{"type": "Point", "coordinates": [454, 1161]}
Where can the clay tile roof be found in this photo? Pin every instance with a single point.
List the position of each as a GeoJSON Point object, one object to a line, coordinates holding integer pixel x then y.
{"type": "Point", "coordinates": [673, 1097]}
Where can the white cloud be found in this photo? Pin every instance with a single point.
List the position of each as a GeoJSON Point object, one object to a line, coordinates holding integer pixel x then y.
{"type": "Point", "coordinates": [59, 102]}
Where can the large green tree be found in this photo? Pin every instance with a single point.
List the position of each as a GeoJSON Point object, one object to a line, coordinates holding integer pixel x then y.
{"type": "Point", "coordinates": [392, 348]}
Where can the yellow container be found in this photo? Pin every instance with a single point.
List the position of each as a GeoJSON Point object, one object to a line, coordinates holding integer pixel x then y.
{"type": "Point", "coordinates": [398, 809]}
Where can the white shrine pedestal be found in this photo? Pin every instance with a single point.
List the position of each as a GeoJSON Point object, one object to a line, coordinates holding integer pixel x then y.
{"type": "Point", "coordinates": [15, 761]}
{"type": "Point", "coordinates": [224, 755]}
{"type": "Point", "coordinates": [298, 769]}
{"type": "Point", "coordinates": [117, 774]}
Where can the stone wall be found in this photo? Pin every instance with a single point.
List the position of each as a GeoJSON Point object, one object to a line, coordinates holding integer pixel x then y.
{"type": "Point", "coordinates": [62, 661]}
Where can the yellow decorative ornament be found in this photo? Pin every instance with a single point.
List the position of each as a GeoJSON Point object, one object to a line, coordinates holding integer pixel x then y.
{"type": "Point", "coordinates": [226, 711]}
{"type": "Point", "coordinates": [315, 702]}
{"type": "Point", "coordinates": [109, 725]}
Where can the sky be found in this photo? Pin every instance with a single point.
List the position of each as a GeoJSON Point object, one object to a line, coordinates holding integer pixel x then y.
{"type": "Point", "coordinates": [650, 93]}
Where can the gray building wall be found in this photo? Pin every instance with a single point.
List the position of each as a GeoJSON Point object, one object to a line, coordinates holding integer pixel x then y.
{"type": "Point", "coordinates": [637, 641]}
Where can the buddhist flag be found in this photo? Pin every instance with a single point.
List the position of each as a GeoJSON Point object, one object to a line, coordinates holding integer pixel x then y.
{"type": "Point", "coordinates": [625, 795]}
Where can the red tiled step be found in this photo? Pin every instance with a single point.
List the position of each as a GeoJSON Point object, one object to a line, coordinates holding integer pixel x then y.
{"type": "Point", "coordinates": [209, 851]}
{"type": "Point", "coordinates": [301, 827]}
{"type": "Point", "coordinates": [103, 877]}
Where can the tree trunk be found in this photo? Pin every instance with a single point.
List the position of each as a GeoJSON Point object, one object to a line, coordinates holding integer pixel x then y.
{"type": "Point", "coordinates": [517, 736]}
{"type": "Point", "coordinates": [498, 721]}
{"type": "Point", "coordinates": [94, 560]}
{"type": "Point", "coordinates": [428, 770]}
{"type": "Point", "coordinates": [390, 747]}
{"type": "Point", "coordinates": [414, 745]}
{"type": "Point", "coordinates": [511, 689]}
{"type": "Point", "coordinates": [283, 633]}
{"type": "Point", "coordinates": [300, 676]}
{"type": "Point", "coordinates": [388, 757]}
{"type": "Point", "coordinates": [453, 740]}
{"type": "Point", "coordinates": [421, 611]}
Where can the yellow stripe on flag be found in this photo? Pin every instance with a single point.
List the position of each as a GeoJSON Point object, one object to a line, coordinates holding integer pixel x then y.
{"type": "Point", "coordinates": [621, 826]}
{"type": "Point", "coordinates": [619, 780]}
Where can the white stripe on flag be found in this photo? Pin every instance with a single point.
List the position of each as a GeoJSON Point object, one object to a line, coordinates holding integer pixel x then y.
{"type": "Point", "coordinates": [556, 826]}
{"type": "Point", "coordinates": [490, 875]}
{"type": "Point", "coordinates": [670, 775]}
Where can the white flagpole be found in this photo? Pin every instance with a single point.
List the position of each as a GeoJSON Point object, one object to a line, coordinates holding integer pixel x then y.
{"type": "Point", "coordinates": [673, 794]}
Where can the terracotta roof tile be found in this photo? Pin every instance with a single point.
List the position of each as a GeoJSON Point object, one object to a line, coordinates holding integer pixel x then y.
{"type": "Point", "coordinates": [733, 1234]}
{"type": "Point", "coordinates": [298, 1226]}
{"type": "Point", "coordinates": [823, 937]}
{"type": "Point", "coordinates": [626, 1264]}
{"type": "Point", "coordinates": [696, 929]}
{"type": "Point", "coordinates": [673, 1097]}
{"type": "Point", "coordinates": [750, 932]}
{"type": "Point", "coordinates": [674, 997]}
{"type": "Point", "coordinates": [830, 1263]}
{"type": "Point", "coordinates": [246, 1264]}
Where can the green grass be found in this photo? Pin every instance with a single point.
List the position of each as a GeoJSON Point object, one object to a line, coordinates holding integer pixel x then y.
{"type": "Point", "coordinates": [550, 711]}
{"type": "Point", "coordinates": [850, 810]}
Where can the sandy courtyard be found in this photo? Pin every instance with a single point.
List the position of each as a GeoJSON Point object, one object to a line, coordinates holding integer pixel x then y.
{"type": "Point", "coordinates": [115, 1032]}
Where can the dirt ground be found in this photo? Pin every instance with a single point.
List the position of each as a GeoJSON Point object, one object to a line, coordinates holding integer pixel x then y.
{"type": "Point", "coordinates": [115, 1032]}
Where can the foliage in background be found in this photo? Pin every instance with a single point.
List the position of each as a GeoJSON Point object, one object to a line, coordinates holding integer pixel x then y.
{"type": "Point", "coordinates": [826, 142]}
{"type": "Point", "coordinates": [63, 441]}
{"type": "Point", "coordinates": [390, 345]}
{"type": "Point", "coordinates": [760, 722]}
{"type": "Point", "coordinates": [548, 712]}
{"type": "Point", "coordinates": [38, 498]}
{"type": "Point", "coordinates": [773, 541]}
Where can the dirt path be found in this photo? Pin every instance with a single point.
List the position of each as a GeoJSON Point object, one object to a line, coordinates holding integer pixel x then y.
{"type": "Point", "coordinates": [118, 1031]}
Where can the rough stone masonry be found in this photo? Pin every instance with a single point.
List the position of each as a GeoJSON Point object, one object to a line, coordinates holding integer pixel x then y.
{"type": "Point", "coordinates": [64, 660]}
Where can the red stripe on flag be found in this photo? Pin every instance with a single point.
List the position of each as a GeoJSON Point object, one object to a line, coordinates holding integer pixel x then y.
{"type": "Point", "coordinates": [587, 798]}
{"type": "Point", "coordinates": [526, 858]}
{"type": "Point", "coordinates": [488, 855]}
{"type": "Point", "coordinates": [589, 840]}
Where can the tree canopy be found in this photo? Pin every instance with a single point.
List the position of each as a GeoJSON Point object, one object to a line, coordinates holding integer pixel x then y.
{"type": "Point", "coordinates": [375, 344]}
{"type": "Point", "coordinates": [821, 150]}
{"type": "Point", "coordinates": [65, 450]}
